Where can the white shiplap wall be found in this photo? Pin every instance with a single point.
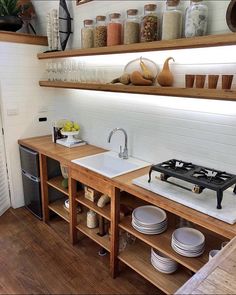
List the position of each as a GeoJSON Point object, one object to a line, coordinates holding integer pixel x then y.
{"type": "Point", "coordinates": [159, 128]}
{"type": "Point", "coordinates": [22, 103]}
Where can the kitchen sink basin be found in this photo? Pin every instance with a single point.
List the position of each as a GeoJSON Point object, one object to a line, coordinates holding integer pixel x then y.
{"type": "Point", "coordinates": [109, 164]}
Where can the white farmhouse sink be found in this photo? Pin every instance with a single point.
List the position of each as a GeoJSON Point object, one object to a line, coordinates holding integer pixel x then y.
{"type": "Point", "coordinates": [109, 164]}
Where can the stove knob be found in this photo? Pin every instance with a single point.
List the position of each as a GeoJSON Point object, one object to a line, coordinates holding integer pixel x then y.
{"type": "Point", "coordinates": [196, 189]}
{"type": "Point", "coordinates": [163, 177]}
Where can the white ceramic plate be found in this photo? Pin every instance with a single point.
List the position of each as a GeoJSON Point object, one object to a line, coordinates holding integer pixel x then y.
{"type": "Point", "coordinates": [149, 215]}
{"type": "Point", "coordinates": [189, 236]}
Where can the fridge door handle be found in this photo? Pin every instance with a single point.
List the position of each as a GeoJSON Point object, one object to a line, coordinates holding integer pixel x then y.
{"type": "Point", "coordinates": [28, 150]}
{"type": "Point", "coordinates": [36, 179]}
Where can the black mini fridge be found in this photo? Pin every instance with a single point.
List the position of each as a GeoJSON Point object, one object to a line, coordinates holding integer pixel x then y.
{"type": "Point", "coordinates": [31, 180]}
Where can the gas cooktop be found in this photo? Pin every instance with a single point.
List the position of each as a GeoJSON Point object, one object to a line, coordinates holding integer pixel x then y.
{"type": "Point", "coordinates": [201, 177]}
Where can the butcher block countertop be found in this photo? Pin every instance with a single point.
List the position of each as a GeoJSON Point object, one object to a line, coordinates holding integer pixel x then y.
{"type": "Point", "coordinates": [218, 276]}
{"type": "Point", "coordinates": [45, 146]}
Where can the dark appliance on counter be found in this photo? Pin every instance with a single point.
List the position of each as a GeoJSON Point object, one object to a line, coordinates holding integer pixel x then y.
{"type": "Point", "coordinates": [201, 177]}
{"type": "Point", "coordinates": [31, 180]}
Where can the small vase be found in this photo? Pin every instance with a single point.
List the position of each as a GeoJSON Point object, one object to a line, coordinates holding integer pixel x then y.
{"type": "Point", "coordinates": [165, 78]}
{"type": "Point", "coordinates": [10, 23]}
{"type": "Point", "coordinates": [231, 16]}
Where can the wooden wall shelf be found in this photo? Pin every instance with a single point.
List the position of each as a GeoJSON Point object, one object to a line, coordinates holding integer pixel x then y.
{"type": "Point", "coordinates": [23, 38]}
{"type": "Point", "coordinates": [216, 94]}
{"type": "Point", "coordinates": [184, 43]}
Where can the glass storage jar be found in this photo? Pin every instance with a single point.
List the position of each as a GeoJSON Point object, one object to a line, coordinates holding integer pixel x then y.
{"type": "Point", "coordinates": [100, 31]}
{"type": "Point", "coordinates": [150, 24]}
{"type": "Point", "coordinates": [114, 29]}
{"type": "Point", "coordinates": [87, 34]}
{"type": "Point", "coordinates": [172, 21]}
{"type": "Point", "coordinates": [131, 27]}
{"type": "Point", "coordinates": [196, 19]}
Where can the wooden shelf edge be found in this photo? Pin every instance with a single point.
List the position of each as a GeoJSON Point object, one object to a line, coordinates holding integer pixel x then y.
{"type": "Point", "coordinates": [183, 43]}
{"type": "Point", "coordinates": [56, 183]}
{"type": "Point", "coordinates": [89, 204]}
{"type": "Point", "coordinates": [57, 207]}
{"type": "Point", "coordinates": [90, 233]}
{"type": "Point", "coordinates": [215, 94]}
{"type": "Point", "coordinates": [23, 38]}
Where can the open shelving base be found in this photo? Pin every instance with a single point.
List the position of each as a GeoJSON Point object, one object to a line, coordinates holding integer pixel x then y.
{"type": "Point", "coordinates": [200, 93]}
{"type": "Point", "coordinates": [138, 257]}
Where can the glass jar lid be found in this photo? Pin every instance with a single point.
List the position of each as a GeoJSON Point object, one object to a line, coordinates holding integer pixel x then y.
{"type": "Point", "coordinates": [100, 18]}
{"type": "Point", "coordinates": [172, 2]}
{"type": "Point", "coordinates": [150, 7]}
{"type": "Point", "coordinates": [88, 22]}
{"type": "Point", "coordinates": [132, 11]}
{"type": "Point", "coordinates": [114, 15]}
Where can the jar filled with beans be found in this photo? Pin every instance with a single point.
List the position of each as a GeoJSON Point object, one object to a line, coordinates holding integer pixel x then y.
{"type": "Point", "coordinates": [131, 27]}
{"type": "Point", "coordinates": [114, 29]}
{"type": "Point", "coordinates": [150, 25]}
{"type": "Point", "coordinates": [100, 31]}
{"type": "Point", "coordinates": [87, 34]}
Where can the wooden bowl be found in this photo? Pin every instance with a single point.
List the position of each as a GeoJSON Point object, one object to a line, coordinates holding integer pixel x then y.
{"type": "Point", "coordinates": [231, 16]}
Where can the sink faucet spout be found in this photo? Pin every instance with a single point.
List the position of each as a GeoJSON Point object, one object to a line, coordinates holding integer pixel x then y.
{"type": "Point", "coordinates": [123, 154]}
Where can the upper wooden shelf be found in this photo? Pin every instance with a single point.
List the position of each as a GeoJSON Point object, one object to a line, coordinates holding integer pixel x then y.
{"type": "Point", "coordinates": [183, 43]}
{"type": "Point", "coordinates": [151, 90]}
{"type": "Point", "coordinates": [23, 38]}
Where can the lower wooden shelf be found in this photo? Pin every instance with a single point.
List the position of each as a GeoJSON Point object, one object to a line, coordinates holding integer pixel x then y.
{"type": "Point", "coordinates": [162, 243]}
{"type": "Point", "coordinates": [138, 257]}
{"type": "Point", "coordinates": [203, 93]}
{"type": "Point", "coordinates": [58, 208]}
{"type": "Point", "coordinates": [92, 233]}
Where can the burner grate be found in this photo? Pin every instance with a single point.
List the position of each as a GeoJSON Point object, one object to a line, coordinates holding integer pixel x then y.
{"type": "Point", "coordinates": [212, 176]}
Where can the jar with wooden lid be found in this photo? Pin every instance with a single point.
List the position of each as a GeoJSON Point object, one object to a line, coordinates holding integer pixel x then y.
{"type": "Point", "coordinates": [196, 19]}
{"type": "Point", "coordinates": [150, 26]}
{"type": "Point", "coordinates": [100, 31]}
{"type": "Point", "coordinates": [131, 27]}
{"type": "Point", "coordinates": [92, 220]}
{"type": "Point", "coordinates": [114, 29]}
{"type": "Point", "coordinates": [87, 34]}
{"type": "Point", "coordinates": [172, 21]}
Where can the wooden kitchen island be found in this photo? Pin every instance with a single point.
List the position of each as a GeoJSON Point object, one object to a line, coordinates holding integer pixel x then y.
{"type": "Point", "coordinates": [122, 191]}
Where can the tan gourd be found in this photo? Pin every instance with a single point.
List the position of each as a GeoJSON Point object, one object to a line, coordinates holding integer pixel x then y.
{"type": "Point", "coordinates": [136, 78]}
{"type": "Point", "coordinates": [165, 78]}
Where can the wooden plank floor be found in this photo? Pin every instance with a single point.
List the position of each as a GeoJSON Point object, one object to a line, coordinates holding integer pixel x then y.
{"type": "Point", "coordinates": [38, 259]}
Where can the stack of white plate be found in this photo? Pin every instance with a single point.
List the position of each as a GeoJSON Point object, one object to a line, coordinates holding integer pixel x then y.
{"type": "Point", "coordinates": [163, 263]}
{"type": "Point", "coordinates": [149, 220]}
{"type": "Point", "coordinates": [188, 242]}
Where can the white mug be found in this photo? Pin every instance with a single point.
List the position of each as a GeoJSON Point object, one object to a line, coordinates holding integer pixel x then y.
{"type": "Point", "coordinates": [212, 253]}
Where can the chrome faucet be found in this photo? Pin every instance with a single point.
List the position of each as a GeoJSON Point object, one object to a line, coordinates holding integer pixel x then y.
{"type": "Point", "coordinates": [122, 154]}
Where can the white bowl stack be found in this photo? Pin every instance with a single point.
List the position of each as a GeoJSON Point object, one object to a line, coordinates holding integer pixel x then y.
{"type": "Point", "coordinates": [163, 263]}
{"type": "Point", "coordinates": [149, 220]}
{"type": "Point", "coordinates": [188, 242]}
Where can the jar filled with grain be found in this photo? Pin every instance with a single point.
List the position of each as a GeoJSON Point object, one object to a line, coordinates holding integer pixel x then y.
{"type": "Point", "coordinates": [114, 29]}
{"type": "Point", "coordinates": [87, 34]}
{"type": "Point", "coordinates": [196, 19]}
{"type": "Point", "coordinates": [172, 21]}
{"type": "Point", "coordinates": [131, 27]}
{"type": "Point", "coordinates": [150, 26]}
{"type": "Point", "coordinates": [100, 32]}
